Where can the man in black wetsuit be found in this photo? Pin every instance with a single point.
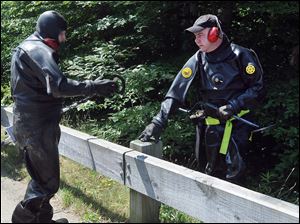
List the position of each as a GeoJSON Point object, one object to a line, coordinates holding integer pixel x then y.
{"type": "Point", "coordinates": [228, 76]}
{"type": "Point", "coordinates": [38, 88]}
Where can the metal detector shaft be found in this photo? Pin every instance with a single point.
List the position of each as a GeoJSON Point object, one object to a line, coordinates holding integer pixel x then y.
{"type": "Point", "coordinates": [184, 110]}
{"type": "Point", "coordinates": [259, 129]}
{"type": "Point", "coordinates": [246, 121]}
{"type": "Point", "coordinates": [119, 90]}
{"type": "Point", "coordinates": [263, 129]}
{"type": "Point", "coordinates": [235, 116]}
{"type": "Point", "coordinates": [73, 105]}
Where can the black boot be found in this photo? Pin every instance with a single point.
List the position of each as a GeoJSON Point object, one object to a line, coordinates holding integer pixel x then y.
{"type": "Point", "coordinates": [23, 215]}
{"type": "Point", "coordinates": [62, 220]}
{"type": "Point", "coordinates": [235, 173]}
{"type": "Point", "coordinates": [46, 213]}
{"type": "Point", "coordinates": [235, 164]}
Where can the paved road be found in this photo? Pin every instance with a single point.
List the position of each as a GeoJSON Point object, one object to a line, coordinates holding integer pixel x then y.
{"type": "Point", "coordinates": [13, 191]}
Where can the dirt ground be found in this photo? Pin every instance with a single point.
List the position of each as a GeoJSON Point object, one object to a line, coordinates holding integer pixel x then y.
{"type": "Point", "coordinates": [12, 192]}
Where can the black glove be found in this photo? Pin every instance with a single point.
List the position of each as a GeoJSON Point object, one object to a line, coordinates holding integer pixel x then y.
{"type": "Point", "coordinates": [225, 112]}
{"type": "Point", "coordinates": [151, 130]}
{"type": "Point", "coordinates": [103, 87]}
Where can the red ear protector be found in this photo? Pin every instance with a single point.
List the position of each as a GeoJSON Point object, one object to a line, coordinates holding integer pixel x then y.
{"type": "Point", "coordinates": [213, 34]}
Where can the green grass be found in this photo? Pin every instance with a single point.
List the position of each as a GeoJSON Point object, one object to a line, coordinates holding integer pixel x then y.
{"type": "Point", "coordinates": [94, 196]}
{"type": "Point", "coordinates": [171, 215]}
{"type": "Point", "coordinates": [99, 199]}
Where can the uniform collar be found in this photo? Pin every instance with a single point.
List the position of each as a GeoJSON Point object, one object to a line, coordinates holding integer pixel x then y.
{"type": "Point", "coordinates": [221, 53]}
{"type": "Point", "coordinates": [48, 41]}
{"type": "Point", "coordinates": [51, 43]}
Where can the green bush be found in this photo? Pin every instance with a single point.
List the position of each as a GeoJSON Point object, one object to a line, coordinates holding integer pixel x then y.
{"type": "Point", "coordinates": [144, 42]}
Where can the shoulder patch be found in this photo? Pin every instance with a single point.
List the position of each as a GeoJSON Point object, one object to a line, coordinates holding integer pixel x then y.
{"type": "Point", "coordinates": [186, 72]}
{"type": "Point", "coordinates": [250, 69]}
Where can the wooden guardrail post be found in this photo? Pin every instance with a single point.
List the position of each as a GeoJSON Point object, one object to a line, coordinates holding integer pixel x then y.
{"type": "Point", "coordinates": [144, 209]}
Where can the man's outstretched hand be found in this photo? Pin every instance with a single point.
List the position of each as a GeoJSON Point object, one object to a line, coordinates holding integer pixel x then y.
{"type": "Point", "coordinates": [152, 130]}
{"type": "Point", "coordinates": [104, 87]}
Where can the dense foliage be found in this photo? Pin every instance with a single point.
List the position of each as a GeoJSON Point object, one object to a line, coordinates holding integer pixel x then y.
{"type": "Point", "coordinates": [145, 43]}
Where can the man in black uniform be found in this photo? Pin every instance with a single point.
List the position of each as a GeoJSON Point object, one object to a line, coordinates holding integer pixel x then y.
{"type": "Point", "coordinates": [38, 87]}
{"type": "Point", "coordinates": [229, 77]}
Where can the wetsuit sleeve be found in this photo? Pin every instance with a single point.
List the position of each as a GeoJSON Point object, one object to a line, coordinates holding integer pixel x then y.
{"type": "Point", "coordinates": [47, 71]}
{"type": "Point", "coordinates": [252, 75]}
{"type": "Point", "coordinates": [168, 107]}
{"type": "Point", "coordinates": [177, 93]}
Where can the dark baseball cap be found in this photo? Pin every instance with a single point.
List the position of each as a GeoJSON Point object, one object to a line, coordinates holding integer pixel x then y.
{"type": "Point", "coordinates": [203, 22]}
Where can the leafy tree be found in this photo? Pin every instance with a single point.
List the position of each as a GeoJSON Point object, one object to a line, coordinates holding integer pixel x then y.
{"type": "Point", "coordinates": [145, 42]}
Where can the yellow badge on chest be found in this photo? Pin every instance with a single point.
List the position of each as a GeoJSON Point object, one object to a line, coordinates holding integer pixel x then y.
{"type": "Point", "coordinates": [186, 72]}
{"type": "Point", "coordinates": [250, 69]}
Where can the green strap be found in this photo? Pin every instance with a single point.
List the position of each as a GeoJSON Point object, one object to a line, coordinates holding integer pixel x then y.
{"type": "Point", "coordinates": [226, 137]}
{"type": "Point", "coordinates": [227, 130]}
{"type": "Point", "coordinates": [211, 121]}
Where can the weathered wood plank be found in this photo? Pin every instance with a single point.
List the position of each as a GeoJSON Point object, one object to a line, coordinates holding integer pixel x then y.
{"type": "Point", "coordinates": [103, 156]}
{"type": "Point", "coordinates": [6, 116]}
{"type": "Point", "coordinates": [144, 209]}
{"type": "Point", "coordinates": [201, 196]}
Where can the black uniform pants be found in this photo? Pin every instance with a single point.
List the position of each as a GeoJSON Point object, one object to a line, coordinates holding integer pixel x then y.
{"type": "Point", "coordinates": [38, 137]}
{"type": "Point", "coordinates": [232, 165]}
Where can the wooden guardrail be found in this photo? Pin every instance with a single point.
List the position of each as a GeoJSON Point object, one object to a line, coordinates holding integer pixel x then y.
{"type": "Point", "coordinates": [201, 196]}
